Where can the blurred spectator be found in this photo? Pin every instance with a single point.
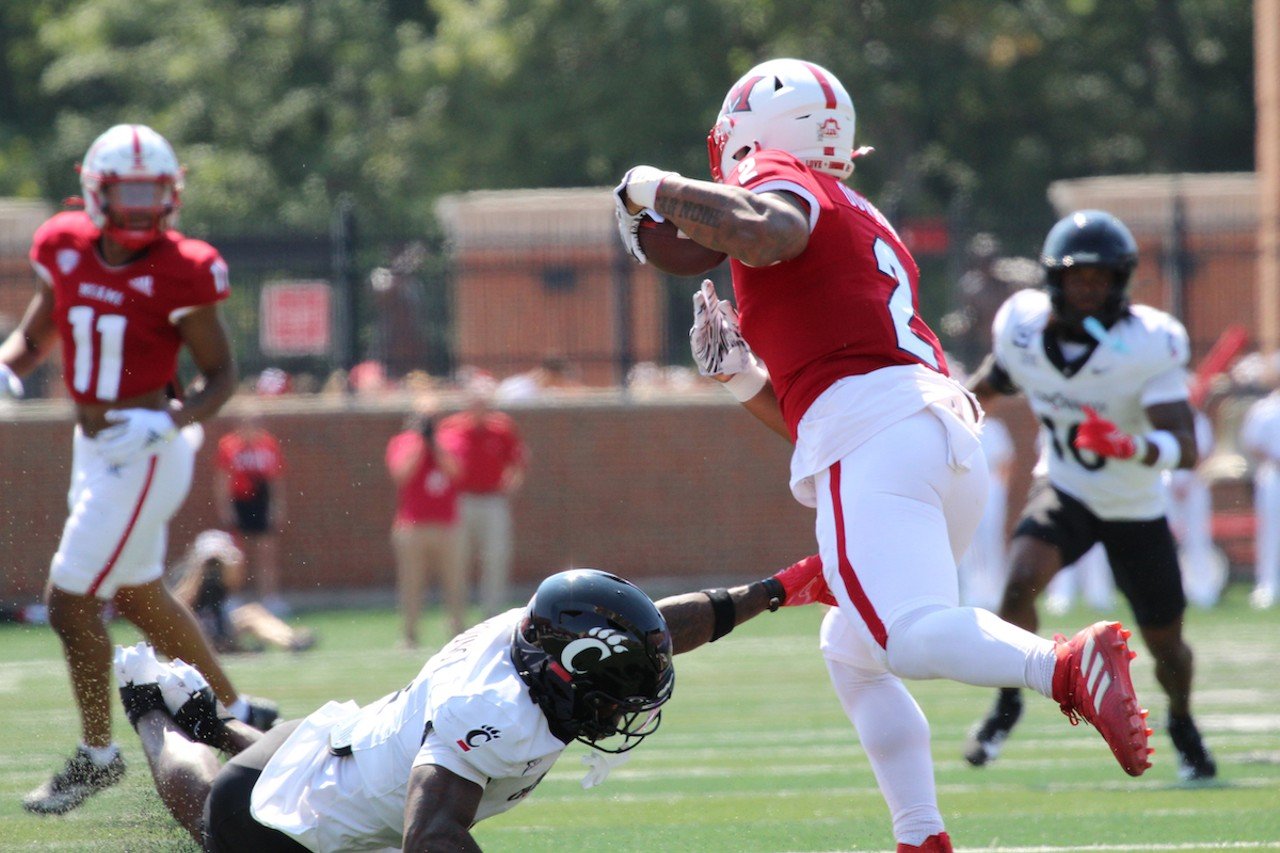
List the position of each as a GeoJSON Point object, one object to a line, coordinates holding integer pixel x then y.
{"type": "Point", "coordinates": [491, 455]}
{"type": "Point", "coordinates": [250, 494]}
{"type": "Point", "coordinates": [1204, 567]}
{"type": "Point", "coordinates": [1260, 438]}
{"type": "Point", "coordinates": [335, 384]}
{"type": "Point", "coordinates": [552, 374]}
{"type": "Point", "coordinates": [368, 377]}
{"type": "Point", "coordinates": [982, 569]}
{"type": "Point", "coordinates": [425, 534]}
{"type": "Point", "coordinates": [404, 320]}
{"type": "Point", "coordinates": [1256, 370]}
{"type": "Point", "coordinates": [273, 382]}
{"type": "Point", "coordinates": [210, 579]}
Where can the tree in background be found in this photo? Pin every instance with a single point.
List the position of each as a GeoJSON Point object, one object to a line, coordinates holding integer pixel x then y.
{"type": "Point", "coordinates": [280, 107]}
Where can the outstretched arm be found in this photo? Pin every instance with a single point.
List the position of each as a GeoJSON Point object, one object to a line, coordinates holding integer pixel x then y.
{"type": "Point", "coordinates": [697, 618]}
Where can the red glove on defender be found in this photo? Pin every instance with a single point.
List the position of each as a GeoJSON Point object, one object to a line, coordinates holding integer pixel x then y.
{"type": "Point", "coordinates": [802, 583]}
{"type": "Point", "coordinates": [1104, 438]}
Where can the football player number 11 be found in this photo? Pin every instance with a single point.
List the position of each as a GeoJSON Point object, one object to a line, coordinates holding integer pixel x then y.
{"type": "Point", "coordinates": [107, 330]}
{"type": "Point", "coordinates": [902, 306]}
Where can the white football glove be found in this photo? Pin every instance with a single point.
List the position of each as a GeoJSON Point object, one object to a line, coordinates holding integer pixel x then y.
{"type": "Point", "coordinates": [10, 384]}
{"type": "Point", "coordinates": [640, 186]}
{"type": "Point", "coordinates": [718, 346]}
{"type": "Point", "coordinates": [134, 432]}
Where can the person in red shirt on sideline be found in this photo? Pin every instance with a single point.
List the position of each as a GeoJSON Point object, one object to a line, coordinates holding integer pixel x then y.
{"type": "Point", "coordinates": [425, 533]}
{"type": "Point", "coordinates": [887, 445]}
{"type": "Point", "coordinates": [123, 293]}
{"type": "Point", "coordinates": [492, 458]}
{"type": "Point", "coordinates": [250, 494]}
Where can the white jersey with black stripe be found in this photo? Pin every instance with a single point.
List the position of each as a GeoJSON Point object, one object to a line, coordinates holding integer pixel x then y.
{"type": "Point", "coordinates": [1143, 363]}
{"type": "Point", "coordinates": [341, 779]}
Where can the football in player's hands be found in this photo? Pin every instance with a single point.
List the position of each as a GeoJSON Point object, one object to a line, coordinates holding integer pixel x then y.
{"type": "Point", "coordinates": [670, 250]}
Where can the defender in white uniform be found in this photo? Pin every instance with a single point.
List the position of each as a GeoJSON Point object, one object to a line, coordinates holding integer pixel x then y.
{"type": "Point", "coordinates": [1260, 437]}
{"type": "Point", "coordinates": [1107, 381]}
{"type": "Point", "coordinates": [589, 659]}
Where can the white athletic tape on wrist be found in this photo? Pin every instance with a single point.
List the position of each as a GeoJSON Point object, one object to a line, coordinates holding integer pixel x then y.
{"type": "Point", "coordinates": [745, 385]}
{"type": "Point", "coordinates": [1168, 450]}
{"type": "Point", "coordinates": [642, 185]}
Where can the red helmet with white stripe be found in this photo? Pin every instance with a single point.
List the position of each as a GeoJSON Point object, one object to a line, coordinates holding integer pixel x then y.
{"type": "Point", "coordinates": [788, 105]}
{"type": "Point", "coordinates": [132, 184]}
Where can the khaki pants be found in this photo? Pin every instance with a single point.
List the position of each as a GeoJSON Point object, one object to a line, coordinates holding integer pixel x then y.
{"type": "Point", "coordinates": [487, 535]}
{"type": "Point", "coordinates": [422, 550]}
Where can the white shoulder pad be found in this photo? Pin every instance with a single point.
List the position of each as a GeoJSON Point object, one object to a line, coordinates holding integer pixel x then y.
{"type": "Point", "coordinates": [1022, 315]}
{"type": "Point", "coordinates": [1157, 338]}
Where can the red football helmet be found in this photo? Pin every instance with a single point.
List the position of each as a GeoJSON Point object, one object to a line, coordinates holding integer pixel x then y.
{"type": "Point", "coordinates": [132, 184]}
{"type": "Point", "coordinates": [789, 105]}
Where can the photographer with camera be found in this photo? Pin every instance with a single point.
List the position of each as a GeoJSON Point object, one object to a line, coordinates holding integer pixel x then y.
{"type": "Point", "coordinates": [425, 534]}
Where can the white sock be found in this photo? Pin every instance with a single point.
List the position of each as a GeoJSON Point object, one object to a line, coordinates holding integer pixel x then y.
{"type": "Point", "coordinates": [972, 646]}
{"type": "Point", "coordinates": [895, 737]}
{"type": "Point", "coordinates": [101, 755]}
{"type": "Point", "coordinates": [240, 709]}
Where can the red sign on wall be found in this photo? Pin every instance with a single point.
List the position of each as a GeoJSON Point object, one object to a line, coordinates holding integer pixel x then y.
{"type": "Point", "coordinates": [294, 318]}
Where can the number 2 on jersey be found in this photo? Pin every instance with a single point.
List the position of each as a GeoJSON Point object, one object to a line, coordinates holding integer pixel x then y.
{"type": "Point", "coordinates": [901, 305]}
{"type": "Point", "coordinates": [110, 335]}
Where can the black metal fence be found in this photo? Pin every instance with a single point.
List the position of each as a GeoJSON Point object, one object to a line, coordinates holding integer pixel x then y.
{"type": "Point", "coordinates": [392, 297]}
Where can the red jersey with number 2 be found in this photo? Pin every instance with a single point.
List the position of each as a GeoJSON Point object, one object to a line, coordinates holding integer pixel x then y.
{"type": "Point", "coordinates": [119, 325]}
{"type": "Point", "coordinates": [847, 305]}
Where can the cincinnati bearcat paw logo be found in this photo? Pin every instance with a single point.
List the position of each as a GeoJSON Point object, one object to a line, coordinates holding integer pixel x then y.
{"type": "Point", "coordinates": [585, 652]}
{"type": "Point", "coordinates": [478, 737]}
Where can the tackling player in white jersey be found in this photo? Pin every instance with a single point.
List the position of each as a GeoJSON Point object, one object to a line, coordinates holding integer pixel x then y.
{"type": "Point", "coordinates": [589, 659]}
{"type": "Point", "coordinates": [1107, 381]}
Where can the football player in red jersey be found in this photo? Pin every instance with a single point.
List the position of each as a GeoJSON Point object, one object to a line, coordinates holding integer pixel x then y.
{"type": "Point", "coordinates": [886, 443]}
{"type": "Point", "coordinates": [123, 293]}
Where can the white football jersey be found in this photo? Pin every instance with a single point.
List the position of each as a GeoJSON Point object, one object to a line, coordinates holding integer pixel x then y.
{"type": "Point", "coordinates": [340, 781]}
{"type": "Point", "coordinates": [1143, 365]}
{"type": "Point", "coordinates": [1260, 432]}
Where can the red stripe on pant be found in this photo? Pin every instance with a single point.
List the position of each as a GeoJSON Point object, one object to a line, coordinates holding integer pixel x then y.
{"type": "Point", "coordinates": [847, 575]}
{"type": "Point", "coordinates": [133, 519]}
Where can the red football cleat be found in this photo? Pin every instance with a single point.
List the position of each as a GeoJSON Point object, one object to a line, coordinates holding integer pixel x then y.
{"type": "Point", "coordinates": [940, 843]}
{"type": "Point", "coordinates": [1091, 682]}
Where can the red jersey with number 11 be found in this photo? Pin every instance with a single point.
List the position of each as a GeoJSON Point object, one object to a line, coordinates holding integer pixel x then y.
{"type": "Point", "coordinates": [847, 305]}
{"type": "Point", "coordinates": [119, 325]}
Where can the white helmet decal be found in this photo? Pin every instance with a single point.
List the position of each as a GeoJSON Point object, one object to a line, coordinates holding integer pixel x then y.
{"type": "Point", "coordinates": [788, 105]}
{"type": "Point", "coordinates": [599, 644]}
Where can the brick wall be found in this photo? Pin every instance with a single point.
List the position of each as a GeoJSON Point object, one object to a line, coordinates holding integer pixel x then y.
{"type": "Point", "coordinates": [648, 489]}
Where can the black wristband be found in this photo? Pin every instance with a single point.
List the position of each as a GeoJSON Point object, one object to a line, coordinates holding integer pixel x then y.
{"type": "Point", "coordinates": [776, 591]}
{"type": "Point", "coordinates": [724, 611]}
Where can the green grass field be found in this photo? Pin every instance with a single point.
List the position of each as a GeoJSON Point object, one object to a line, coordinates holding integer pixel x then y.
{"type": "Point", "coordinates": [754, 752]}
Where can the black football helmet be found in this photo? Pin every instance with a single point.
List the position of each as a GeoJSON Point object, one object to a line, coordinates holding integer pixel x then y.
{"type": "Point", "coordinates": [1090, 238]}
{"type": "Point", "coordinates": [596, 655]}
